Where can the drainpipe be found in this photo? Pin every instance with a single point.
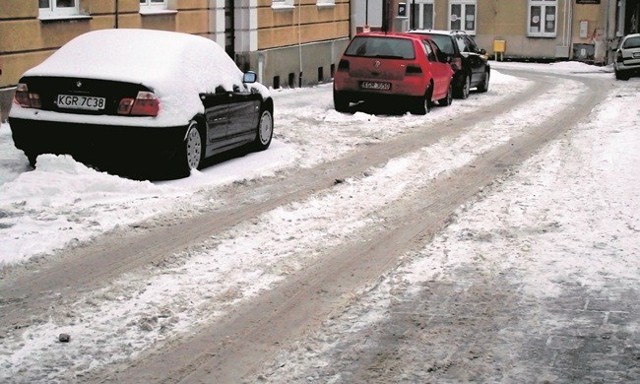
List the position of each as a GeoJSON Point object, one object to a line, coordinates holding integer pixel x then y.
{"type": "Point", "coordinates": [606, 32]}
{"type": "Point", "coordinates": [413, 15]}
{"type": "Point", "coordinates": [116, 14]}
{"type": "Point", "coordinates": [366, 13]}
{"type": "Point", "coordinates": [299, 44]}
{"type": "Point", "coordinates": [570, 27]}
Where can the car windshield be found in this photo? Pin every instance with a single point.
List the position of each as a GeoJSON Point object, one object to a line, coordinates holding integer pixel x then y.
{"type": "Point", "coordinates": [384, 47]}
{"type": "Point", "coordinates": [632, 42]}
{"type": "Point", "coordinates": [444, 43]}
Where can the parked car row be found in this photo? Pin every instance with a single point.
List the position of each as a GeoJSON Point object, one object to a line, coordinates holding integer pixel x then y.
{"type": "Point", "coordinates": [145, 100]}
{"type": "Point", "coordinates": [412, 70]}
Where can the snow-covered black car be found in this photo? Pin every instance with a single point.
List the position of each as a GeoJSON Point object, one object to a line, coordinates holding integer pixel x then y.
{"type": "Point", "coordinates": [470, 63]}
{"type": "Point", "coordinates": [132, 98]}
{"type": "Point", "coordinates": [627, 61]}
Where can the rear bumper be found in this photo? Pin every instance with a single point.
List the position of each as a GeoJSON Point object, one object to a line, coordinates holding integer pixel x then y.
{"type": "Point", "coordinates": [97, 144]}
{"type": "Point", "coordinates": [409, 86]}
{"type": "Point", "coordinates": [629, 65]}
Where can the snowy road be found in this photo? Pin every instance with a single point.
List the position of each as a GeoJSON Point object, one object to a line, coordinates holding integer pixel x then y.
{"type": "Point", "coordinates": [307, 259]}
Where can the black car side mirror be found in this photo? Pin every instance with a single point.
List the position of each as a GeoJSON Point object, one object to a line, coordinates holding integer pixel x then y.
{"type": "Point", "coordinates": [250, 78]}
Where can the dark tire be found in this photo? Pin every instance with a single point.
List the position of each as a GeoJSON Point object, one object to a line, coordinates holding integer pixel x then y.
{"type": "Point", "coordinates": [463, 91]}
{"type": "Point", "coordinates": [422, 104]}
{"type": "Point", "coordinates": [340, 103]}
{"type": "Point", "coordinates": [621, 75]}
{"type": "Point", "coordinates": [484, 87]}
{"type": "Point", "coordinates": [447, 100]}
{"type": "Point", "coordinates": [264, 132]}
{"type": "Point", "coordinates": [192, 153]}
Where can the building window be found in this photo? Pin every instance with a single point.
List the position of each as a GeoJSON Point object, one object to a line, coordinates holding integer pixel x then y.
{"type": "Point", "coordinates": [326, 3]}
{"type": "Point", "coordinates": [153, 4]}
{"type": "Point", "coordinates": [54, 8]}
{"type": "Point", "coordinates": [462, 15]}
{"type": "Point", "coordinates": [542, 18]}
{"type": "Point", "coordinates": [422, 14]}
{"type": "Point", "coordinates": [282, 4]}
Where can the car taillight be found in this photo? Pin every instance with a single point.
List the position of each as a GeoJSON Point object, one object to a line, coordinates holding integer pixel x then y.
{"type": "Point", "coordinates": [25, 98]}
{"type": "Point", "coordinates": [413, 70]}
{"type": "Point", "coordinates": [145, 104]}
{"type": "Point", "coordinates": [343, 65]}
{"type": "Point", "coordinates": [456, 63]}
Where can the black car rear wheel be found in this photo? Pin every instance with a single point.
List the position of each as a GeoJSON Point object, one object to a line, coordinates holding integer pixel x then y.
{"type": "Point", "coordinates": [265, 131]}
{"type": "Point", "coordinates": [193, 148]}
{"type": "Point", "coordinates": [463, 91]}
{"type": "Point", "coordinates": [484, 86]}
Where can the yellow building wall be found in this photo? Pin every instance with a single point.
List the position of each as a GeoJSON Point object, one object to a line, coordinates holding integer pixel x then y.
{"type": "Point", "coordinates": [595, 19]}
{"type": "Point", "coordinates": [25, 40]}
{"type": "Point", "coordinates": [305, 23]}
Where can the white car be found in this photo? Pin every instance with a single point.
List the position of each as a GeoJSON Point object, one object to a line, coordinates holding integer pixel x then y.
{"type": "Point", "coordinates": [135, 99]}
{"type": "Point", "coordinates": [627, 61]}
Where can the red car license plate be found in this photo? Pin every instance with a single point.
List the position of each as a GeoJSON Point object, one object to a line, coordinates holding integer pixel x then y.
{"type": "Point", "coordinates": [375, 85]}
{"type": "Point", "coordinates": [89, 103]}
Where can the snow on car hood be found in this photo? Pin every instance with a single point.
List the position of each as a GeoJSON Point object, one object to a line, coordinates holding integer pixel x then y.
{"type": "Point", "coordinates": [176, 66]}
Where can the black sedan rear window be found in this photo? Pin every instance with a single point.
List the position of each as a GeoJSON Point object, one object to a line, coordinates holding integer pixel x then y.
{"type": "Point", "coordinates": [444, 43]}
{"type": "Point", "coordinates": [382, 47]}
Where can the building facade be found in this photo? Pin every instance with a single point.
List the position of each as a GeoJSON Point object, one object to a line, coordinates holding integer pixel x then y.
{"type": "Point", "coordinates": [532, 29]}
{"type": "Point", "coordinates": [287, 42]}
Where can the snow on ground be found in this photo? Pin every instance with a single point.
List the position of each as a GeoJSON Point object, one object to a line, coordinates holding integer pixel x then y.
{"type": "Point", "coordinates": [62, 202]}
{"type": "Point", "coordinates": [567, 218]}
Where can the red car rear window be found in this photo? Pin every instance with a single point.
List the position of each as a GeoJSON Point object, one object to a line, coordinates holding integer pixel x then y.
{"type": "Point", "coordinates": [382, 47]}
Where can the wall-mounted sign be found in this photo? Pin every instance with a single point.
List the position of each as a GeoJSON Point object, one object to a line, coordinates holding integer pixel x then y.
{"type": "Point", "coordinates": [587, 1]}
{"type": "Point", "coordinates": [402, 10]}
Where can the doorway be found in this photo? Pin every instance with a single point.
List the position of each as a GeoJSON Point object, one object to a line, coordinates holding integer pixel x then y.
{"type": "Point", "coordinates": [632, 17]}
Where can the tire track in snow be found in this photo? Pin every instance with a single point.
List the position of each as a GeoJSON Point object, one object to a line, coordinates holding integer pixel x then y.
{"type": "Point", "coordinates": [170, 315]}
{"type": "Point", "coordinates": [339, 273]}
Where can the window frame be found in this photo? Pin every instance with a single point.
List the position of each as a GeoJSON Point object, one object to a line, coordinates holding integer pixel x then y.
{"type": "Point", "coordinates": [150, 5]}
{"type": "Point", "coordinates": [55, 11]}
{"type": "Point", "coordinates": [419, 13]}
{"type": "Point", "coordinates": [544, 5]}
{"type": "Point", "coordinates": [463, 10]}
{"type": "Point", "coordinates": [325, 3]}
{"type": "Point", "coordinates": [282, 4]}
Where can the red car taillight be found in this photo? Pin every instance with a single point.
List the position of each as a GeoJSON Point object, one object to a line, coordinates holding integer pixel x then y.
{"type": "Point", "coordinates": [456, 63]}
{"type": "Point", "coordinates": [25, 98]}
{"type": "Point", "coordinates": [145, 104]}
{"type": "Point", "coordinates": [343, 65]}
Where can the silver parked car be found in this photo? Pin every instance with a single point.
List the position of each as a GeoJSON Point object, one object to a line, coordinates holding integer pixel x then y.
{"type": "Point", "coordinates": [628, 57]}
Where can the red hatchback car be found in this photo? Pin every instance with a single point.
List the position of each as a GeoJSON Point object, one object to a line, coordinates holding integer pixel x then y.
{"type": "Point", "coordinates": [405, 69]}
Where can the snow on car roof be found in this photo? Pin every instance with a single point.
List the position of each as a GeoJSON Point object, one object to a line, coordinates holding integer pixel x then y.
{"type": "Point", "coordinates": [176, 66]}
{"type": "Point", "coordinates": [143, 56]}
